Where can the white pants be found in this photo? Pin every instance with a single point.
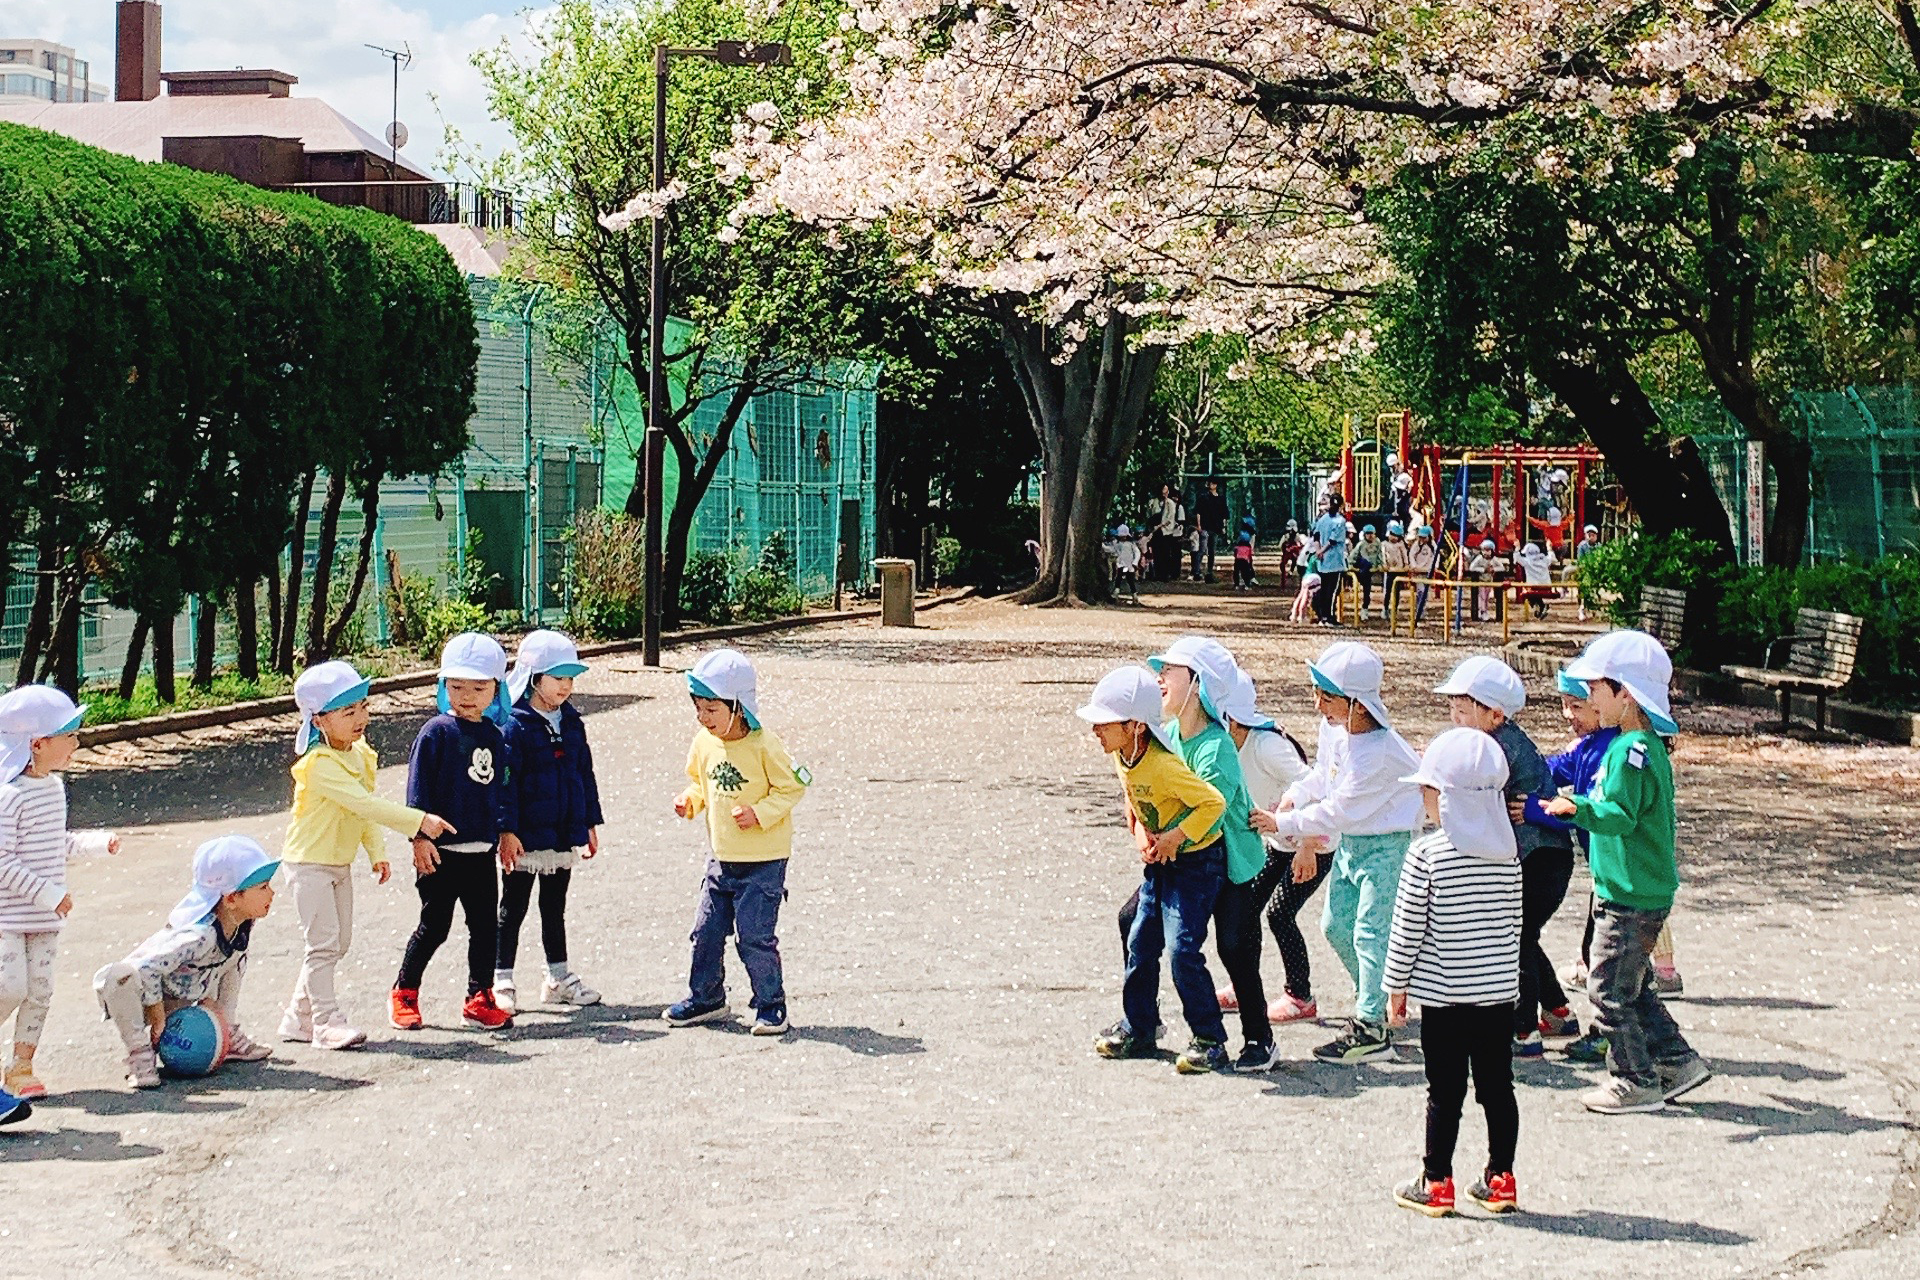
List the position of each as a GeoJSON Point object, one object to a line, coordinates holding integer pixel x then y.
{"type": "Point", "coordinates": [26, 982]}
{"type": "Point", "coordinates": [323, 896]}
{"type": "Point", "coordinates": [118, 986]}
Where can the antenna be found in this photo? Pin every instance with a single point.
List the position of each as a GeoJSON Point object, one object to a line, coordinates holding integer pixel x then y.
{"type": "Point", "coordinates": [396, 132]}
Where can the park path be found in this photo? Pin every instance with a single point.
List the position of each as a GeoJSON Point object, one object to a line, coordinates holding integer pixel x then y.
{"type": "Point", "coordinates": [951, 951]}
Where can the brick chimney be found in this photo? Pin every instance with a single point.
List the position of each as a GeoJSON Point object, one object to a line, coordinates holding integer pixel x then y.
{"type": "Point", "coordinates": [136, 71]}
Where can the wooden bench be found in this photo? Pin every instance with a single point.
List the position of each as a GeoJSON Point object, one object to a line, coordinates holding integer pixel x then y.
{"type": "Point", "coordinates": [1663, 615]}
{"type": "Point", "coordinates": [1820, 661]}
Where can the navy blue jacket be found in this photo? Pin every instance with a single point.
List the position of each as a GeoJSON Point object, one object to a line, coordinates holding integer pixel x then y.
{"type": "Point", "coordinates": [1577, 767]}
{"type": "Point", "coordinates": [556, 795]}
{"type": "Point", "coordinates": [459, 770]}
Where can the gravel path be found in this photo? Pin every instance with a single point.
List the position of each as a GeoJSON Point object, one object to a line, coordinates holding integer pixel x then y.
{"type": "Point", "coordinates": [950, 951]}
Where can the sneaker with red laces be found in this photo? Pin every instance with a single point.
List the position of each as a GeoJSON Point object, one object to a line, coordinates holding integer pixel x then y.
{"type": "Point", "coordinates": [480, 1011]}
{"type": "Point", "coordinates": [1435, 1199]}
{"type": "Point", "coordinates": [1498, 1193]}
{"type": "Point", "coordinates": [403, 1008]}
{"type": "Point", "coordinates": [1291, 1008]}
{"type": "Point", "coordinates": [1229, 1002]}
{"type": "Point", "coordinates": [1559, 1024]}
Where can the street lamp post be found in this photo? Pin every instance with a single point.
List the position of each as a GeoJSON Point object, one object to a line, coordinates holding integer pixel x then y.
{"type": "Point", "coordinates": [732, 53]}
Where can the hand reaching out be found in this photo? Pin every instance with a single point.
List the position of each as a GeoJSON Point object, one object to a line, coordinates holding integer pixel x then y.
{"type": "Point", "coordinates": [1559, 807]}
{"type": "Point", "coordinates": [1261, 820]}
{"type": "Point", "coordinates": [433, 826]}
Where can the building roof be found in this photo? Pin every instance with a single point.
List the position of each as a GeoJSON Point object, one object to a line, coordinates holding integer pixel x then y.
{"type": "Point", "coordinates": [475, 252]}
{"type": "Point", "coordinates": [136, 128]}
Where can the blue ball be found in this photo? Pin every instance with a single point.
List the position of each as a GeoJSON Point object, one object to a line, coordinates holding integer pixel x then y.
{"type": "Point", "coordinates": [194, 1041]}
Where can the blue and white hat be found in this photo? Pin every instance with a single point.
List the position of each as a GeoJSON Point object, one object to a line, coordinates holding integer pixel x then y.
{"type": "Point", "coordinates": [1240, 707]}
{"type": "Point", "coordinates": [542, 653]}
{"type": "Point", "coordinates": [1210, 663]}
{"type": "Point", "coordinates": [1489, 682]}
{"type": "Point", "coordinates": [329, 686]}
{"type": "Point", "coordinates": [727, 675]}
{"type": "Point", "coordinates": [1569, 686]}
{"type": "Point", "coordinates": [472, 656]}
{"type": "Point", "coordinates": [1639, 664]}
{"type": "Point", "coordinates": [1349, 669]}
{"type": "Point", "coordinates": [223, 865]}
{"type": "Point", "coordinates": [29, 712]}
{"type": "Point", "coordinates": [1127, 693]}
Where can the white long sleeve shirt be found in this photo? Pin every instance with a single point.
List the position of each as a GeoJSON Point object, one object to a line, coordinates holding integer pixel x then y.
{"type": "Point", "coordinates": [1456, 926]}
{"type": "Point", "coordinates": [34, 847]}
{"type": "Point", "coordinates": [1354, 788]}
{"type": "Point", "coordinates": [1270, 764]}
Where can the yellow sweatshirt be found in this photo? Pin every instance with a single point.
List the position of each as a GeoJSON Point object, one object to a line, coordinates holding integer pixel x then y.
{"type": "Point", "coordinates": [336, 814]}
{"type": "Point", "coordinates": [756, 771]}
{"type": "Point", "coordinates": [1165, 793]}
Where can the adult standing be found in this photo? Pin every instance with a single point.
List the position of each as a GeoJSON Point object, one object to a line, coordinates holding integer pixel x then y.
{"type": "Point", "coordinates": [1168, 531]}
{"type": "Point", "coordinates": [1211, 511]}
{"type": "Point", "coordinates": [1330, 531]}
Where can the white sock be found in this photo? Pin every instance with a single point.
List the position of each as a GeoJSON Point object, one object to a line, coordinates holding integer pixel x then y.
{"type": "Point", "coordinates": [558, 972]}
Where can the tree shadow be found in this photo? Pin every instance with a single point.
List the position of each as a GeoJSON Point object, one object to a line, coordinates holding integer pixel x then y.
{"type": "Point", "coordinates": [1781, 1003]}
{"type": "Point", "coordinates": [863, 1041]}
{"type": "Point", "coordinates": [602, 1023]}
{"type": "Point", "coordinates": [1597, 1224]}
{"type": "Point", "coordinates": [1315, 1079]}
{"type": "Point", "coordinates": [190, 1096]}
{"type": "Point", "coordinates": [1793, 1117]}
{"type": "Point", "coordinates": [80, 1146]}
{"type": "Point", "coordinates": [485, 1052]}
{"type": "Point", "coordinates": [1767, 1069]}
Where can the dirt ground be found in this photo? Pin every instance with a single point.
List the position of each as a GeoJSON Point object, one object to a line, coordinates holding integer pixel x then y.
{"type": "Point", "coordinates": [950, 952]}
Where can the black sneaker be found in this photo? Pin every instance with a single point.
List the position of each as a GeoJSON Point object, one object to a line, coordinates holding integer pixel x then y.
{"type": "Point", "coordinates": [1258, 1056]}
{"type": "Point", "coordinates": [1201, 1056]}
{"type": "Point", "coordinates": [1117, 1042]}
{"type": "Point", "coordinates": [1361, 1042]}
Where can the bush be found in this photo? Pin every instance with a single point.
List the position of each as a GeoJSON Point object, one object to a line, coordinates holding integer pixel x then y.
{"type": "Point", "coordinates": [1611, 577]}
{"type": "Point", "coordinates": [606, 575]}
{"type": "Point", "coordinates": [759, 596]}
{"type": "Point", "coordinates": [468, 574]}
{"type": "Point", "coordinates": [706, 587]}
{"type": "Point", "coordinates": [946, 559]}
{"type": "Point", "coordinates": [447, 619]}
{"type": "Point", "coordinates": [776, 557]}
{"type": "Point", "coordinates": [718, 587]}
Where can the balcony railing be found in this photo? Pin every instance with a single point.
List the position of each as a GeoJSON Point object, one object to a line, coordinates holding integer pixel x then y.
{"type": "Point", "coordinates": [439, 203]}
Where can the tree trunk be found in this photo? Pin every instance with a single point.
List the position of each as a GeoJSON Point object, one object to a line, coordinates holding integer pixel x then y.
{"type": "Point", "coordinates": [370, 515]}
{"type": "Point", "coordinates": [1790, 456]}
{"type": "Point", "coordinates": [324, 547]}
{"type": "Point", "coordinates": [289, 626]}
{"type": "Point", "coordinates": [63, 665]}
{"type": "Point", "coordinates": [273, 612]}
{"type": "Point", "coordinates": [40, 615]}
{"type": "Point", "coordinates": [163, 660]}
{"type": "Point", "coordinates": [136, 654]}
{"type": "Point", "coordinates": [246, 626]}
{"type": "Point", "coordinates": [695, 478]}
{"type": "Point", "coordinates": [206, 622]}
{"type": "Point", "coordinates": [1087, 414]}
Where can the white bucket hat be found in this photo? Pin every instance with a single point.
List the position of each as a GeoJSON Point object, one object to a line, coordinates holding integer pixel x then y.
{"type": "Point", "coordinates": [727, 675]}
{"type": "Point", "coordinates": [223, 865]}
{"type": "Point", "coordinates": [1350, 669]}
{"type": "Point", "coordinates": [1469, 771]}
{"type": "Point", "coordinates": [1240, 707]}
{"type": "Point", "coordinates": [1207, 659]}
{"type": "Point", "coordinates": [29, 712]}
{"type": "Point", "coordinates": [1639, 664]}
{"type": "Point", "coordinates": [1127, 693]}
{"type": "Point", "coordinates": [542, 653]}
{"type": "Point", "coordinates": [1489, 682]}
{"type": "Point", "coordinates": [472, 656]}
{"type": "Point", "coordinates": [323, 688]}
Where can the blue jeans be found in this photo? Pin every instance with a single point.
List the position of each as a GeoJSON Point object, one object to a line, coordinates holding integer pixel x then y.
{"type": "Point", "coordinates": [1176, 902]}
{"type": "Point", "coordinates": [741, 898]}
{"type": "Point", "coordinates": [1359, 914]}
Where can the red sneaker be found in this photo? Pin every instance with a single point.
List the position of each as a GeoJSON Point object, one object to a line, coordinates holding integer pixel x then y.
{"type": "Point", "coordinates": [403, 1008]}
{"type": "Point", "coordinates": [1290, 1008]}
{"type": "Point", "coordinates": [1435, 1199]}
{"type": "Point", "coordinates": [480, 1011]}
{"type": "Point", "coordinates": [1497, 1194]}
{"type": "Point", "coordinates": [1229, 1002]}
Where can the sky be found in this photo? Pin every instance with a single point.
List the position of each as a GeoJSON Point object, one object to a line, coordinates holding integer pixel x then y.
{"type": "Point", "coordinates": [319, 41]}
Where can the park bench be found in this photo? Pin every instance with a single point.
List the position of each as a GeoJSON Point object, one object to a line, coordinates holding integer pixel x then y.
{"type": "Point", "coordinates": [1820, 661]}
{"type": "Point", "coordinates": [1663, 615]}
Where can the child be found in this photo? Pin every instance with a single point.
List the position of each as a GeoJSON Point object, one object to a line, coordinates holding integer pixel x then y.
{"type": "Point", "coordinates": [459, 767]}
{"type": "Point", "coordinates": [1628, 814]}
{"type": "Point", "coordinates": [1393, 560]}
{"type": "Point", "coordinates": [1271, 760]}
{"type": "Point", "coordinates": [746, 783]}
{"type": "Point", "coordinates": [1422, 558]}
{"type": "Point", "coordinates": [1356, 792]}
{"type": "Point", "coordinates": [1536, 569]}
{"type": "Point", "coordinates": [1126, 562]}
{"type": "Point", "coordinates": [1243, 562]}
{"type": "Point", "coordinates": [1455, 949]}
{"type": "Point", "coordinates": [1175, 819]}
{"type": "Point", "coordinates": [558, 802]}
{"type": "Point", "coordinates": [1303, 603]}
{"type": "Point", "coordinates": [38, 736]}
{"type": "Point", "coordinates": [1485, 694]}
{"type": "Point", "coordinates": [198, 958]}
{"type": "Point", "coordinates": [1368, 556]}
{"type": "Point", "coordinates": [1481, 568]}
{"type": "Point", "coordinates": [335, 815]}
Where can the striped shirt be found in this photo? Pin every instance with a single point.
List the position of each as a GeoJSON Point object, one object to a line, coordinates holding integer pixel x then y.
{"type": "Point", "coordinates": [1456, 926]}
{"type": "Point", "coordinates": [34, 847]}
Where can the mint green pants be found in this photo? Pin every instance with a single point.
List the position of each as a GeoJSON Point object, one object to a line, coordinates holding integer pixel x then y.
{"type": "Point", "coordinates": [1359, 913]}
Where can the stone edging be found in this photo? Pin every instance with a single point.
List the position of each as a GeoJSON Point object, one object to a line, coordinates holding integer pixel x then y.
{"type": "Point", "coordinates": [265, 708]}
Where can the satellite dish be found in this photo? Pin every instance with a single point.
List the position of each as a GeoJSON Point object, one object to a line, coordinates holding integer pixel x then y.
{"type": "Point", "coordinates": [396, 135]}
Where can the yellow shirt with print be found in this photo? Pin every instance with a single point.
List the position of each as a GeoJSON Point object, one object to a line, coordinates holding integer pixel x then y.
{"type": "Point", "coordinates": [336, 814]}
{"type": "Point", "coordinates": [1163, 793]}
{"type": "Point", "coordinates": [755, 771]}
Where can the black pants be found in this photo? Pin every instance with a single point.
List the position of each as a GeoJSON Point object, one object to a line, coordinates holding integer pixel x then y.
{"type": "Point", "coordinates": [1544, 874]}
{"type": "Point", "coordinates": [1236, 924]}
{"type": "Point", "coordinates": [1586, 936]}
{"type": "Point", "coordinates": [1242, 572]}
{"type": "Point", "coordinates": [1323, 598]}
{"type": "Point", "coordinates": [1365, 574]}
{"type": "Point", "coordinates": [516, 891]}
{"type": "Point", "coordinates": [1283, 917]}
{"type": "Point", "coordinates": [1455, 1038]}
{"type": "Point", "coordinates": [466, 878]}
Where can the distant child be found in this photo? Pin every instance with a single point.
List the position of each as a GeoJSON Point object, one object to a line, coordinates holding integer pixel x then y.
{"type": "Point", "coordinates": [199, 958]}
{"type": "Point", "coordinates": [1356, 792]}
{"type": "Point", "coordinates": [1393, 563]}
{"type": "Point", "coordinates": [1485, 694]}
{"type": "Point", "coordinates": [1303, 603]}
{"type": "Point", "coordinates": [1422, 560]}
{"type": "Point", "coordinates": [39, 728]}
{"type": "Point", "coordinates": [557, 799]}
{"type": "Point", "coordinates": [1455, 947]}
{"type": "Point", "coordinates": [1629, 816]}
{"type": "Point", "coordinates": [1243, 562]}
{"type": "Point", "coordinates": [335, 816]}
{"type": "Point", "coordinates": [1126, 562]}
{"type": "Point", "coordinates": [1369, 556]}
{"type": "Point", "coordinates": [1481, 568]}
{"type": "Point", "coordinates": [1175, 819]}
{"type": "Point", "coordinates": [745, 782]}
{"type": "Point", "coordinates": [459, 768]}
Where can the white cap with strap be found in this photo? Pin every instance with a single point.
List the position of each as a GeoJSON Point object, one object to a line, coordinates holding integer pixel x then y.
{"type": "Point", "coordinates": [29, 712]}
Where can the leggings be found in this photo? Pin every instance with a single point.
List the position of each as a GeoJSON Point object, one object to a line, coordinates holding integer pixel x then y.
{"type": "Point", "coordinates": [516, 892]}
{"type": "Point", "coordinates": [1283, 917]}
{"type": "Point", "coordinates": [1456, 1038]}
{"type": "Point", "coordinates": [468, 879]}
{"type": "Point", "coordinates": [26, 982]}
{"type": "Point", "coordinates": [1323, 598]}
{"type": "Point", "coordinates": [1543, 886]}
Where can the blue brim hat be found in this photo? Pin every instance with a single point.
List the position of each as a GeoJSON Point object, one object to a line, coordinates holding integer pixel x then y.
{"type": "Point", "coordinates": [699, 690]}
{"type": "Point", "coordinates": [1569, 686]}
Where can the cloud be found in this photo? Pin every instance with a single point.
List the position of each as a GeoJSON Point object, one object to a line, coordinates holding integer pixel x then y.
{"type": "Point", "coordinates": [323, 43]}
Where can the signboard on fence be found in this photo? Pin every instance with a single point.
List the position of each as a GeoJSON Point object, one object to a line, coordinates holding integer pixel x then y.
{"type": "Point", "coordinates": [1756, 521]}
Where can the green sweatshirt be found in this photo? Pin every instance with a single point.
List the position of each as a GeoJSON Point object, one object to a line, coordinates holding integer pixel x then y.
{"type": "Point", "coordinates": [1629, 812]}
{"type": "Point", "coordinates": [1212, 755]}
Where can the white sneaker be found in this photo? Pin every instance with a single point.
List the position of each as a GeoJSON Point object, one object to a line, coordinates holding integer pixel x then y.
{"type": "Point", "coordinates": [506, 995]}
{"type": "Point", "coordinates": [569, 990]}
{"type": "Point", "coordinates": [337, 1033]}
{"type": "Point", "coordinates": [297, 1026]}
{"type": "Point", "coordinates": [143, 1069]}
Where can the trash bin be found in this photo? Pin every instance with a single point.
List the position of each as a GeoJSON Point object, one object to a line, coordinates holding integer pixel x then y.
{"type": "Point", "coordinates": [896, 592]}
